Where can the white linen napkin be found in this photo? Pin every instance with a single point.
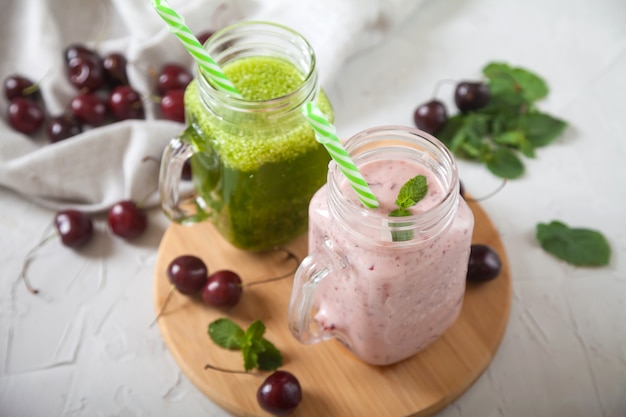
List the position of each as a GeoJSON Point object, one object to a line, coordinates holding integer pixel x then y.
{"type": "Point", "coordinates": [101, 166]}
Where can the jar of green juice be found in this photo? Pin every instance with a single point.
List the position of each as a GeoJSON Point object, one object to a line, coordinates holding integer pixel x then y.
{"type": "Point", "coordinates": [255, 162]}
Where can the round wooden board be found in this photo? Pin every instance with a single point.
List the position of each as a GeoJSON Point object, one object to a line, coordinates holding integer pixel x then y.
{"type": "Point", "coordinates": [334, 382]}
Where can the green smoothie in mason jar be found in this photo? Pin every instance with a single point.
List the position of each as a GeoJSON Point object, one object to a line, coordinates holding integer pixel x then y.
{"type": "Point", "coordinates": [255, 161]}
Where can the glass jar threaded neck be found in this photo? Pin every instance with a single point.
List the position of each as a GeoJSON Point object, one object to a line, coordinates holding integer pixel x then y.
{"type": "Point", "coordinates": [255, 40]}
{"type": "Point", "coordinates": [394, 143]}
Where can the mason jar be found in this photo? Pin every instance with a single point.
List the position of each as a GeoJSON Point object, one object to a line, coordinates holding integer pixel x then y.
{"type": "Point", "coordinates": [255, 162]}
{"type": "Point", "coordinates": [384, 286]}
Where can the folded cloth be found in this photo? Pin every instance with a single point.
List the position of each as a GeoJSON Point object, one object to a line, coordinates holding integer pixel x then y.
{"type": "Point", "coordinates": [103, 165]}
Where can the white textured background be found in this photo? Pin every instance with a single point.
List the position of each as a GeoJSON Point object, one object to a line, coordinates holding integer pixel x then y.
{"type": "Point", "coordinates": [84, 348]}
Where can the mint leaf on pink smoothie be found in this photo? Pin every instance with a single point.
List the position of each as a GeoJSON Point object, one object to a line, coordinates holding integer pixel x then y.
{"type": "Point", "coordinates": [412, 192]}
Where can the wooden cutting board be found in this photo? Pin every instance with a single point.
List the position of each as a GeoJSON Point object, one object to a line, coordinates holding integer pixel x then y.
{"type": "Point", "coordinates": [334, 382]}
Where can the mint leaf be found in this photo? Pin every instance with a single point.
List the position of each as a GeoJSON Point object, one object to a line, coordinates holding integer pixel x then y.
{"type": "Point", "coordinates": [227, 334]}
{"type": "Point", "coordinates": [412, 191]}
{"type": "Point", "coordinates": [400, 235]}
{"type": "Point", "coordinates": [540, 128]}
{"type": "Point", "coordinates": [499, 75]}
{"type": "Point", "coordinates": [255, 349]}
{"type": "Point", "coordinates": [496, 69]}
{"type": "Point", "coordinates": [504, 96]}
{"type": "Point", "coordinates": [269, 357]}
{"type": "Point", "coordinates": [503, 87]}
{"type": "Point", "coordinates": [409, 195]}
{"type": "Point", "coordinates": [250, 357]}
{"type": "Point", "coordinates": [256, 330]}
{"type": "Point", "coordinates": [468, 132]}
{"type": "Point", "coordinates": [250, 344]}
{"type": "Point", "coordinates": [258, 351]}
{"type": "Point", "coordinates": [533, 87]}
{"type": "Point", "coordinates": [460, 137]}
{"type": "Point", "coordinates": [473, 151]}
{"type": "Point", "coordinates": [504, 80]}
{"type": "Point", "coordinates": [527, 148]}
{"type": "Point", "coordinates": [508, 127]}
{"type": "Point", "coordinates": [500, 123]}
{"type": "Point", "coordinates": [450, 129]}
{"type": "Point", "coordinates": [505, 164]}
{"type": "Point", "coordinates": [511, 138]}
{"type": "Point", "coordinates": [400, 212]}
{"type": "Point", "coordinates": [577, 246]}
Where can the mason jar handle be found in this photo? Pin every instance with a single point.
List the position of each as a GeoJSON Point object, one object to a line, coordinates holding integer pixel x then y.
{"type": "Point", "coordinates": [172, 163]}
{"type": "Point", "coordinates": [302, 323]}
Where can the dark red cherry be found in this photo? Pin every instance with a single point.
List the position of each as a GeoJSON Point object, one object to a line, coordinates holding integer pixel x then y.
{"type": "Point", "coordinates": [484, 263]}
{"type": "Point", "coordinates": [74, 227]}
{"type": "Point", "coordinates": [188, 274]}
{"type": "Point", "coordinates": [25, 116]}
{"type": "Point", "coordinates": [204, 36]}
{"type": "Point", "coordinates": [172, 77]}
{"type": "Point", "coordinates": [19, 86]}
{"type": "Point", "coordinates": [89, 108]}
{"type": "Point", "coordinates": [125, 103]}
{"type": "Point", "coordinates": [85, 73]}
{"type": "Point", "coordinates": [471, 96]}
{"type": "Point", "coordinates": [126, 220]}
{"type": "Point", "coordinates": [431, 116]}
{"type": "Point", "coordinates": [62, 127]}
{"type": "Point", "coordinates": [77, 49]}
{"type": "Point", "coordinates": [114, 65]}
{"type": "Point", "coordinates": [280, 393]}
{"type": "Point", "coordinates": [173, 105]}
{"type": "Point", "coordinates": [222, 289]}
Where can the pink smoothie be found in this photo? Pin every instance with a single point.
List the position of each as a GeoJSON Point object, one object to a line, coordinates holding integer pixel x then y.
{"type": "Point", "coordinates": [386, 302]}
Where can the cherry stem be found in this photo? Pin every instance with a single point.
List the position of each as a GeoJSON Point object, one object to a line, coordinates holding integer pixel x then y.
{"type": "Point", "coordinates": [491, 194]}
{"type": "Point", "coordinates": [29, 259]}
{"type": "Point", "coordinates": [152, 159]}
{"type": "Point", "coordinates": [290, 255]}
{"type": "Point", "coordinates": [30, 89]}
{"type": "Point", "coordinates": [36, 86]}
{"type": "Point", "coordinates": [162, 310]}
{"type": "Point", "coordinates": [230, 371]}
{"type": "Point", "coordinates": [154, 99]}
{"type": "Point", "coordinates": [439, 84]}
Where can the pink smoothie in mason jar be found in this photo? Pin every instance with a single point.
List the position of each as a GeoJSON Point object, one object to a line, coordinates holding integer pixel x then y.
{"type": "Point", "coordinates": [385, 300]}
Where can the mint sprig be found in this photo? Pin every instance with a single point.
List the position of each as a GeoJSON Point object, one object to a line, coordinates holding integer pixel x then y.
{"type": "Point", "coordinates": [411, 192]}
{"type": "Point", "coordinates": [257, 351]}
{"type": "Point", "coordinates": [577, 246]}
{"type": "Point", "coordinates": [409, 195]}
{"type": "Point", "coordinates": [510, 125]}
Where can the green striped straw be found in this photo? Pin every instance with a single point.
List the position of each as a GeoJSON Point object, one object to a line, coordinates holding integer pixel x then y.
{"type": "Point", "coordinates": [176, 25]}
{"type": "Point", "coordinates": [325, 134]}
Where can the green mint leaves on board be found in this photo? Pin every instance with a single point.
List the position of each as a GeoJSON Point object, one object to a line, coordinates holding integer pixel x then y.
{"type": "Point", "coordinates": [409, 195]}
{"type": "Point", "coordinates": [577, 246]}
{"type": "Point", "coordinates": [510, 125]}
{"type": "Point", "coordinates": [257, 351]}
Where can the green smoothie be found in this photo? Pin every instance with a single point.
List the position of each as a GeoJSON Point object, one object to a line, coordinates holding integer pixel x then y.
{"type": "Point", "coordinates": [256, 179]}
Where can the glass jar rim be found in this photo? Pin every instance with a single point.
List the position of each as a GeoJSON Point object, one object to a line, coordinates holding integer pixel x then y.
{"type": "Point", "coordinates": [306, 91]}
{"type": "Point", "coordinates": [436, 219]}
